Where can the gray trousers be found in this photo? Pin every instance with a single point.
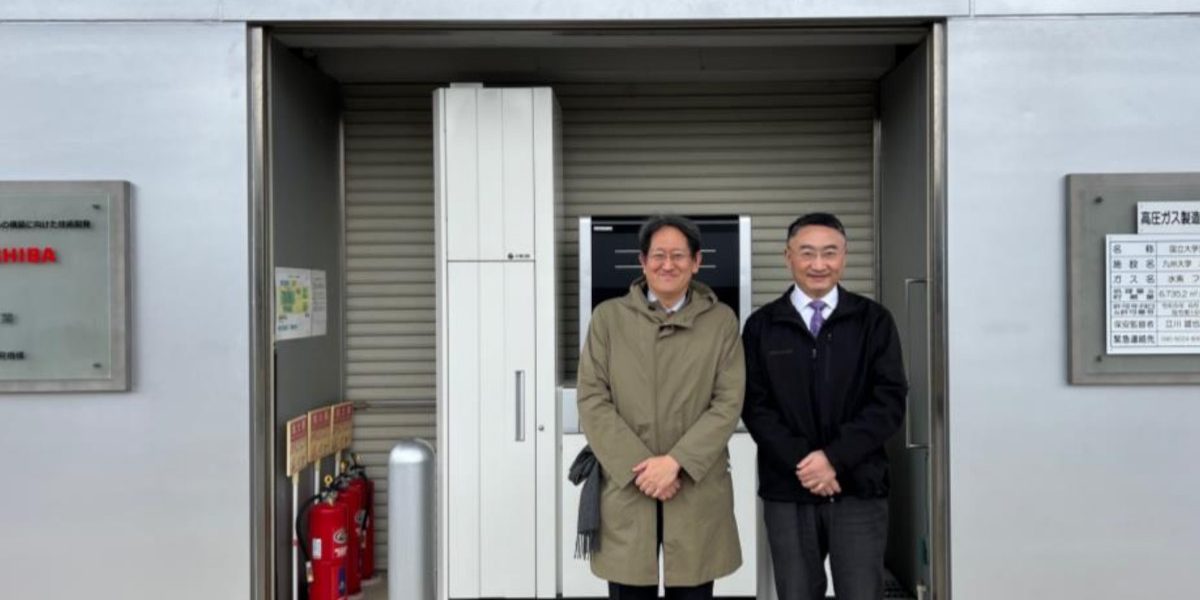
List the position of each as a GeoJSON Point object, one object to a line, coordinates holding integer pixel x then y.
{"type": "Point", "coordinates": [851, 531]}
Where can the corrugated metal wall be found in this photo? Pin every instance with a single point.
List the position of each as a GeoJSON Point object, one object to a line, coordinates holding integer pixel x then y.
{"type": "Point", "coordinates": [772, 151]}
{"type": "Point", "coordinates": [389, 275]}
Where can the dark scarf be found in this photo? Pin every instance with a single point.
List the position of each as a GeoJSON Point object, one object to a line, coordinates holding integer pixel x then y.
{"type": "Point", "coordinates": [586, 469]}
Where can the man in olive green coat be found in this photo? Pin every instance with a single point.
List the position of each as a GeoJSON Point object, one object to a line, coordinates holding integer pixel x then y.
{"type": "Point", "coordinates": [661, 382]}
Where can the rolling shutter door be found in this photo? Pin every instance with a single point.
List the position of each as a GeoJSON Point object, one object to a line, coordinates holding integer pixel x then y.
{"type": "Point", "coordinates": [769, 150]}
{"type": "Point", "coordinates": [389, 275]}
{"type": "Point", "coordinates": [773, 151]}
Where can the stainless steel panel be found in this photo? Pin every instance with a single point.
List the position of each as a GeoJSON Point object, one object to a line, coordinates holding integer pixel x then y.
{"type": "Point", "coordinates": [619, 10]}
{"type": "Point", "coordinates": [262, 359]}
{"type": "Point", "coordinates": [1030, 101]}
{"type": "Point", "coordinates": [939, 320]}
{"type": "Point", "coordinates": [1082, 7]}
{"type": "Point", "coordinates": [164, 107]}
{"type": "Point", "coordinates": [125, 10]}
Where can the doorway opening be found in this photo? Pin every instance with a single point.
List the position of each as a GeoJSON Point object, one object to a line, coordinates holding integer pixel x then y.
{"type": "Point", "coordinates": [769, 122]}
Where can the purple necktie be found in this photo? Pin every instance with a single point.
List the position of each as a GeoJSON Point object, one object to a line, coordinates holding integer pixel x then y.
{"type": "Point", "coordinates": [818, 318]}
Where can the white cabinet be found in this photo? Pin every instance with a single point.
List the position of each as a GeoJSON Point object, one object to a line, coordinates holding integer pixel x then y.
{"type": "Point", "coordinates": [496, 209]}
{"type": "Point", "coordinates": [487, 152]}
{"type": "Point", "coordinates": [743, 464]}
{"type": "Point", "coordinates": [577, 578]}
{"type": "Point", "coordinates": [491, 485]}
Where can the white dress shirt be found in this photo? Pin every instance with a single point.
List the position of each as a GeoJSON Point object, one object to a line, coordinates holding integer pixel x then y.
{"type": "Point", "coordinates": [673, 309]}
{"type": "Point", "coordinates": [800, 300]}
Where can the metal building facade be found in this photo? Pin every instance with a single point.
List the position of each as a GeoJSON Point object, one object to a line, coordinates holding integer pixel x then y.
{"type": "Point", "coordinates": [1057, 491]}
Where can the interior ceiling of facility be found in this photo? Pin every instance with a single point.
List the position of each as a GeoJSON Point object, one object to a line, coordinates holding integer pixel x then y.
{"type": "Point", "coordinates": [602, 56]}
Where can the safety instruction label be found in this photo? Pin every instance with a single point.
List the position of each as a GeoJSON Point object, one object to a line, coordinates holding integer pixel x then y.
{"type": "Point", "coordinates": [1153, 294]}
{"type": "Point", "coordinates": [297, 446]}
{"type": "Point", "coordinates": [320, 433]}
{"type": "Point", "coordinates": [343, 425]}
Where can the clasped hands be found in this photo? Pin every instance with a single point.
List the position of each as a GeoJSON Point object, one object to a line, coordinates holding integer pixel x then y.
{"type": "Point", "coordinates": [817, 475]}
{"type": "Point", "coordinates": [658, 477]}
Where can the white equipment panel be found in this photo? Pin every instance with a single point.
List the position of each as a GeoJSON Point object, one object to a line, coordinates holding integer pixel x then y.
{"type": "Point", "coordinates": [498, 413]}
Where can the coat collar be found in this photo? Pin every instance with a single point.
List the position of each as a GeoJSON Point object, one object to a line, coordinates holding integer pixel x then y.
{"type": "Point", "coordinates": [701, 299]}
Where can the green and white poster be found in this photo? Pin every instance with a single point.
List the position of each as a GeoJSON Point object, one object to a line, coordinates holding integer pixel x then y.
{"type": "Point", "coordinates": [300, 303]}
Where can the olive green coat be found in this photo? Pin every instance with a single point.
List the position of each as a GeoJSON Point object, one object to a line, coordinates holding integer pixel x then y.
{"type": "Point", "coordinates": [652, 384]}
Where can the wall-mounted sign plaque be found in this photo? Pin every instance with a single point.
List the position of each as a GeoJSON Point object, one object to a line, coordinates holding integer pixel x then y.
{"type": "Point", "coordinates": [1132, 261]}
{"type": "Point", "coordinates": [1153, 294]}
{"type": "Point", "coordinates": [64, 322]}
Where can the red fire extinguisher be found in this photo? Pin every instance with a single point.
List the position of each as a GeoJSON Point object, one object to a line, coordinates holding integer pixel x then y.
{"type": "Point", "coordinates": [350, 495]}
{"type": "Point", "coordinates": [325, 545]}
{"type": "Point", "coordinates": [367, 527]}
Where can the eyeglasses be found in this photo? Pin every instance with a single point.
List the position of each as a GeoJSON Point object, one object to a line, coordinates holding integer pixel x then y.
{"type": "Point", "coordinates": [658, 258]}
{"type": "Point", "coordinates": [809, 254]}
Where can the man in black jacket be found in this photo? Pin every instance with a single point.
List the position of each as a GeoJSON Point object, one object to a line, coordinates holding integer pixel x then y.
{"type": "Point", "coordinates": [825, 389]}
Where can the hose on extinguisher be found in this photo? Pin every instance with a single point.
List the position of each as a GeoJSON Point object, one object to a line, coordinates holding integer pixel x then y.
{"type": "Point", "coordinates": [301, 535]}
{"type": "Point", "coordinates": [360, 471]}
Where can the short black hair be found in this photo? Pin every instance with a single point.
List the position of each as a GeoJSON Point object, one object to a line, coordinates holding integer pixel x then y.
{"type": "Point", "coordinates": [684, 225]}
{"type": "Point", "coordinates": [818, 218]}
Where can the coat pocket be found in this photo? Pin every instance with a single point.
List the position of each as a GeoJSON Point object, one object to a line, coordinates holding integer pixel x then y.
{"type": "Point", "coordinates": [871, 478]}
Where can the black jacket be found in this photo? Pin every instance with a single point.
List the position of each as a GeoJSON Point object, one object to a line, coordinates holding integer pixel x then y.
{"type": "Point", "coordinates": [844, 394]}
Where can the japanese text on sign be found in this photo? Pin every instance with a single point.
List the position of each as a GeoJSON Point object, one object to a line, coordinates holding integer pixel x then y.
{"type": "Point", "coordinates": [1168, 217]}
{"type": "Point", "coordinates": [297, 446]}
{"type": "Point", "coordinates": [1153, 295]}
{"type": "Point", "coordinates": [320, 433]}
{"type": "Point", "coordinates": [343, 422]}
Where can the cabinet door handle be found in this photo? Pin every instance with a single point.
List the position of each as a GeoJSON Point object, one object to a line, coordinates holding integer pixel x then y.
{"type": "Point", "coordinates": [520, 403]}
{"type": "Point", "coordinates": [908, 414]}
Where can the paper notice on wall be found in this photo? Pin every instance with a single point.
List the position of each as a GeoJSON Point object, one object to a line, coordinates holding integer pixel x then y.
{"type": "Point", "coordinates": [1153, 295]}
{"type": "Point", "coordinates": [293, 303]}
{"type": "Point", "coordinates": [343, 425]}
{"type": "Point", "coordinates": [320, 306]}
{"type": "Point", "coordinates": [297, 445]}
{"type": "Point", "coordinates": [320, 433]}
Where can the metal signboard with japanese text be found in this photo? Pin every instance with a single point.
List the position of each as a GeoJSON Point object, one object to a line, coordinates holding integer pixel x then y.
{"type": "Point", "coordinates": [1153, 294]}
{"type": "Point", "coordinates": [64, 286]}
{"type": "Point", "coordinates": [1133, 296]}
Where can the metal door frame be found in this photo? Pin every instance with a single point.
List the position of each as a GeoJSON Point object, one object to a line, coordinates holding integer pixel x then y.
{"type": "Point", "coordinates": [261, 307]}
{"type": "Point", "coordinates": [939, 383]}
